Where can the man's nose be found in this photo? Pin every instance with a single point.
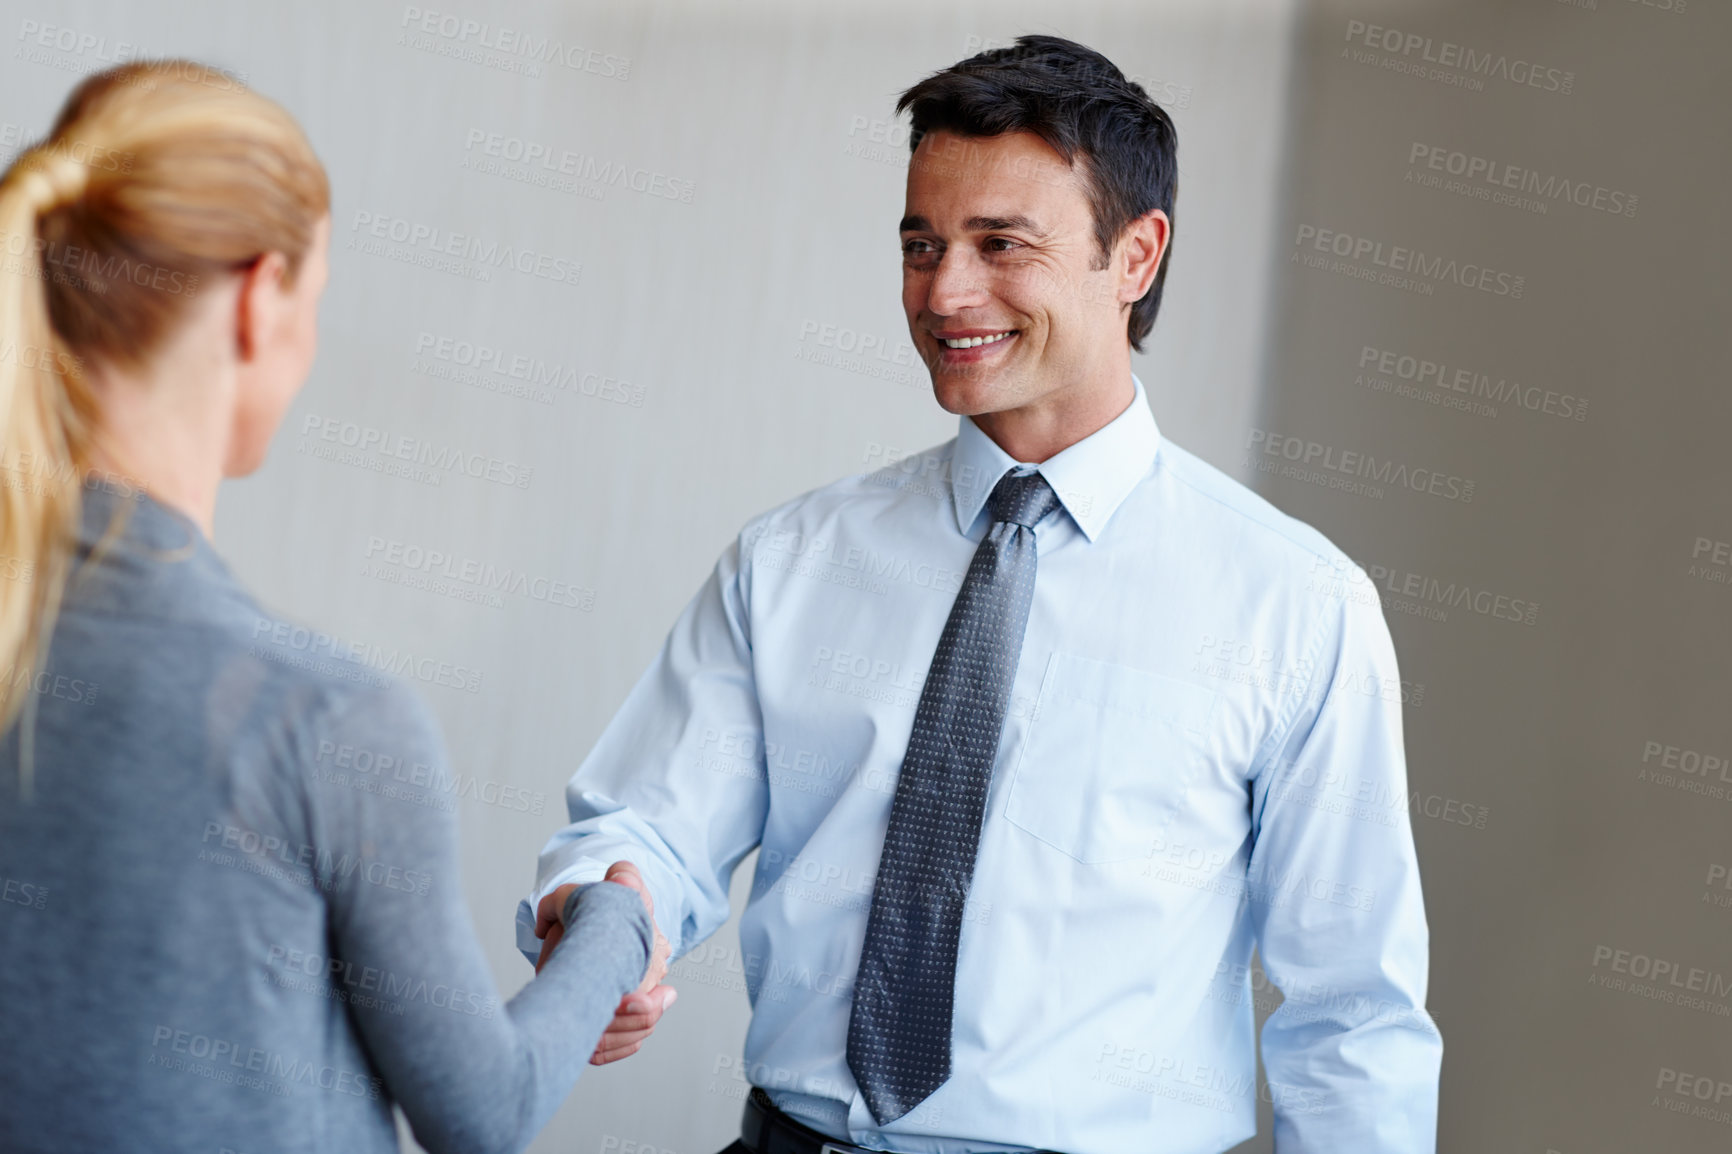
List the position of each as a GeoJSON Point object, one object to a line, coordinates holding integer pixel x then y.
{"type": "Point", "coordinates": [957, 284]}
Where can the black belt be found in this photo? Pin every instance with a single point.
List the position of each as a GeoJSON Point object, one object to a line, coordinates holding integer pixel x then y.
{"type": "Point", "coordinates": [766, 1130]}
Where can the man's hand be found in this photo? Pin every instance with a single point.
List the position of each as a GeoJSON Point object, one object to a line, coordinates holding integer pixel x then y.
{"type": "Point", "coordinates": [639, 1011]}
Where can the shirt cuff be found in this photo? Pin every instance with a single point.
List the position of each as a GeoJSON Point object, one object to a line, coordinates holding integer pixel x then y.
{"type": "Point", "coordinates": [527, 943]}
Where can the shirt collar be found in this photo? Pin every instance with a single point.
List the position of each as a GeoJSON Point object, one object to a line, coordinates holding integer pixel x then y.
{"type": "Point", "coordinates": [1092, 477]}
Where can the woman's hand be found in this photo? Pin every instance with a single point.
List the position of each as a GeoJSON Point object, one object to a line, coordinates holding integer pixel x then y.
{"type": "Point", "coordinates": [639, 1011]}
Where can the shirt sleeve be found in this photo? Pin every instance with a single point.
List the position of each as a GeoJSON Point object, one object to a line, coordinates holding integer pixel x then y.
{"type": "Point", "coordinates": [677, 784]}
{"type": "Point", "coordinates": [1333, 893]}
{"type": "Point", "coordinates": [469, 1074]}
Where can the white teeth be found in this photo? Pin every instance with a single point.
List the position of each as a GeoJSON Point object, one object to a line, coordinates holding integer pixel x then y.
{"type": "Point", "coordinates": [970, 342]}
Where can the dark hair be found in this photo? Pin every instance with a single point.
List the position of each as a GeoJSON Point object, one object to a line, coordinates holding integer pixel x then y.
{"type": "Point", "coordinates": [1077, 101]}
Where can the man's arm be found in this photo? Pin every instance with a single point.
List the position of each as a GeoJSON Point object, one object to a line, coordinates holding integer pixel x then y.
{"type": "Point", "coordinates": [676, 785]}
{"type": "Point", "coordinates": [1352, 1056]}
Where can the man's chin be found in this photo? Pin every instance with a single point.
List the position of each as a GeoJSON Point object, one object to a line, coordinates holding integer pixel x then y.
{"type": "Point", "coordinates": [970, 394]}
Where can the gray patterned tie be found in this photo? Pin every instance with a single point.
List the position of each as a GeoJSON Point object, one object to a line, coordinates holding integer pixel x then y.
{"type": "Point", "coordinates": [899, 1031]}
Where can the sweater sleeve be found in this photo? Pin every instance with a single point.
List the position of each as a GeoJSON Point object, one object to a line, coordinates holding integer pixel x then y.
{"type": "Point", "coordinates": [470, 1075]}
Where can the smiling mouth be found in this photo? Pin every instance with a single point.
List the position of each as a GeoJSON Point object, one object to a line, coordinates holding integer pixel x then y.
{"type": "Point", "coordinates": [974, 342]}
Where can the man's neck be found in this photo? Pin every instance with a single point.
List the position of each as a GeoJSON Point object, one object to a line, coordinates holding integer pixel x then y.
{"type": "Point", "coordinates": [1037, 432]}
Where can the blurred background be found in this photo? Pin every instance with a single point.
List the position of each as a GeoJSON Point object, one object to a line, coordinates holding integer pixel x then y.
{"type": "Point", "coordinates": [1449, 282]}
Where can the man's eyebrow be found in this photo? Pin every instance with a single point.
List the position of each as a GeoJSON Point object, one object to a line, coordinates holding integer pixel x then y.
{"type": "Point", "coordinates": [1014, 223]}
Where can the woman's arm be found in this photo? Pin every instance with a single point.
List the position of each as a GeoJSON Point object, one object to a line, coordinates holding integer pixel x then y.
{"type": "Point", "coordinates": [470, 1074]}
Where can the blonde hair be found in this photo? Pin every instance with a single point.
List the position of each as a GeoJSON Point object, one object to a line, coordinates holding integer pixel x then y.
{"type": "Point", "coordinates": [156, 176]}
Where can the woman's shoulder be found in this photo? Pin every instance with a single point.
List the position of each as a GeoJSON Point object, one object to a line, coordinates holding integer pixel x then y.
{"type": "Point", "coordinates": [316, 705]}
{"type": "Point", "coordinates": [334, 686]}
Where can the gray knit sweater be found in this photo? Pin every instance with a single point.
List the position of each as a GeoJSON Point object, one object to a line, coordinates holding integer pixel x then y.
{"type": "Point", "coordinates": [225, 924]}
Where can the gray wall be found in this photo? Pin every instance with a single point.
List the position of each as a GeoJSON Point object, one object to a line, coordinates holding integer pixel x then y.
{"type": "Point", "coordinates": [1568, 853]}
{"type": "Point", "coordinates": [722, 353]}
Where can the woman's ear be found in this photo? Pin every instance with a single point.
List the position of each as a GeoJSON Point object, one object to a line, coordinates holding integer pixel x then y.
{"type": "Point", "coordinates": [260, 304]}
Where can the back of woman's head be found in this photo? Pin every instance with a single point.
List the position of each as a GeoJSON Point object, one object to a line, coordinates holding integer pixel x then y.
{"type": "Point", "coordinates": [157, 177]}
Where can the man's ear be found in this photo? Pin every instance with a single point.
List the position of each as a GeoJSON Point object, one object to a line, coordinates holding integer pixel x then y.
{"type": "Point", "coordinates": [1142, 247]}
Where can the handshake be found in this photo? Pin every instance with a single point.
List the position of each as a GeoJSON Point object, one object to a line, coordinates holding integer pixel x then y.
{"type": "Point", "coordinates": [638, 1012]}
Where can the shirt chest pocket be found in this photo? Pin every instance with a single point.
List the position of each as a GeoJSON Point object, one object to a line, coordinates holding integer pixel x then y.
{"type": "Point", "coordinates": [1110, 754]}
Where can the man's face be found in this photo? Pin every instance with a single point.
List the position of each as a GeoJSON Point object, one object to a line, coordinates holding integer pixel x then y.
{"type": "Point", "coordinates": [998, 243]}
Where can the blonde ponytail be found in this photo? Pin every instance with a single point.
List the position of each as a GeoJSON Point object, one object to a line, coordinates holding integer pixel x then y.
{"type": "Point", "coordinates": [156, 175]}
{"type": "Point", "coordinates": [45, 406]}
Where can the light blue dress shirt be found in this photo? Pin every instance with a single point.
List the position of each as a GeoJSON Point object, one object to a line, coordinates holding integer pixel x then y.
{"type": "Point", "coordinates": [1203, 753]}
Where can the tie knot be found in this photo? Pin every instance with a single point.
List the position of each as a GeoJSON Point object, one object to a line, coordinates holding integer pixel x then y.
{"type": "Point", "coordinates": [1021, 500]}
